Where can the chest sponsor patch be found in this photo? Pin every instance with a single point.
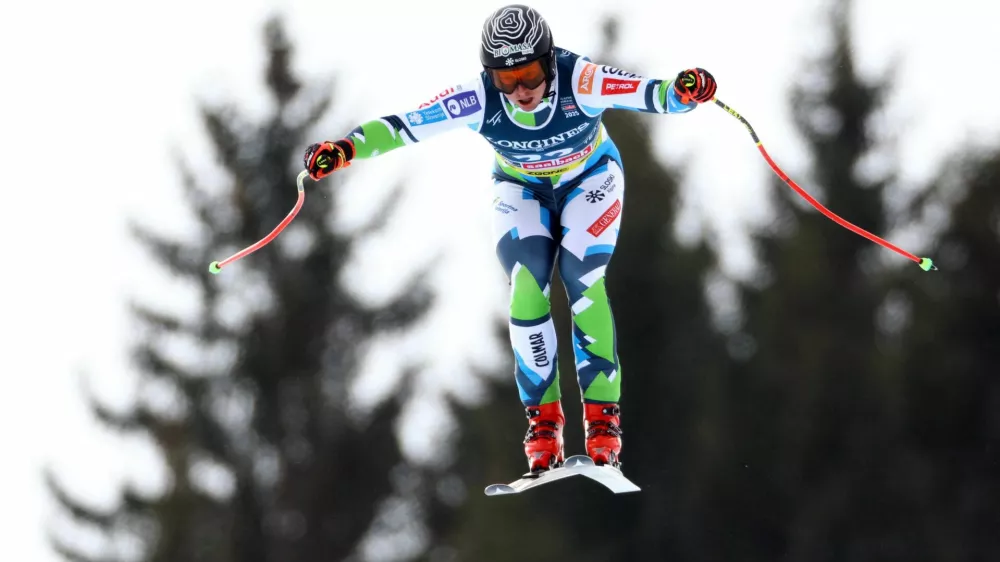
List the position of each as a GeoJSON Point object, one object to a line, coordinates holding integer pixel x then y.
{"type": "Point", "coordinates": [557, 162]}
{"type": "Point", "coordinates": [538, 145]}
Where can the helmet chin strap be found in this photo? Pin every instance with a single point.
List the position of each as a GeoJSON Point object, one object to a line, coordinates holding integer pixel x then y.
{"type": "Point", "coordinates": [550, 89]}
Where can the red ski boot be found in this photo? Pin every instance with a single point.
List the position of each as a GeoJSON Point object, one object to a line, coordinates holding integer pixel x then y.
{"type": "Point", "coordinates": [604, 436]}
{"type": "Point", "coordinates": [543, 443]}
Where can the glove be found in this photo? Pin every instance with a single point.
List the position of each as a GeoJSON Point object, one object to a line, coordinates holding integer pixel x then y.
{"type": "Point", "coordinates": [695, 84]}
{"type": "Point", "coordinates": [324, 158]}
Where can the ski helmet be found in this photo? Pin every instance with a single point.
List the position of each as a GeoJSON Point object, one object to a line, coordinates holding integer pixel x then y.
{"type": "Point", "coordinates": [516, 35]}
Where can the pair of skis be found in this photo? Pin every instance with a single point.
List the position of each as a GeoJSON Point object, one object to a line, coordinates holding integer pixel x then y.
{"type": "Point", "coordinates": [577, 465]}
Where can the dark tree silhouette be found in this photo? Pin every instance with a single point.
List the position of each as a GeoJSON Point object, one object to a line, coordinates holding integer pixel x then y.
{"type": "Point", "coordinates": [259, 397]}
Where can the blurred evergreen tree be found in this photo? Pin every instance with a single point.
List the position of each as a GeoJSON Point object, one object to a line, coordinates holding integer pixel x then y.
{"type": "Point", "coordinates": [947, 460]}
{"type": "Point", "coordinates": [812, 422]}
{"type": "Point", "coordinates": [259, 396]}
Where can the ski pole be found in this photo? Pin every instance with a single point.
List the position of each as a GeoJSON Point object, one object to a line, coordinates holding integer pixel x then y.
{"type": "Point", "coordinates": [925, 263]}
{"type": "Point", "coordinates": [216, 266]}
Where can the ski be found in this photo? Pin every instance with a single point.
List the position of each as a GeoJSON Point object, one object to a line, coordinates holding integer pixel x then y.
{"type": "Point", "coordinates": [577, 465]}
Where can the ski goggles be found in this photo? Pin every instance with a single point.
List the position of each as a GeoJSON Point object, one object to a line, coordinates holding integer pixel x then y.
{"type": "Point", "coordinates": [530, 75]}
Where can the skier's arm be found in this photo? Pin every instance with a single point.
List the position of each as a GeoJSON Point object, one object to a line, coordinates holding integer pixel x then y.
{"type": "Point", "coordinates": [599, 87]}
{"type": "Point", "coordinates": [450, 109]}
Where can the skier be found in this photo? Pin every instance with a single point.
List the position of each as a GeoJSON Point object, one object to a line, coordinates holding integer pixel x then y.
{"type": "Point", "coordinates": [559, 189]}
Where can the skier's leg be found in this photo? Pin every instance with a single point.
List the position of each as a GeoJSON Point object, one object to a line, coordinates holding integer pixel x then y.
{"type": "Point", "coordinates": [590, 220]}
{"type": "Point", "coordinates": [526, 250]}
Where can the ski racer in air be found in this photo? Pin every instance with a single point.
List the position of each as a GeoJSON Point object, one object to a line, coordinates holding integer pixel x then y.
{"type": "Point", "coordinates": [559, 192]}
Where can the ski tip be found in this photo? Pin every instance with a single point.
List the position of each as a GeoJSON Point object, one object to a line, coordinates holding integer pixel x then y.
{"type": "Point", "coordinates": [578, 460]}
{"type": "Point", "coordinates": [499, 490]}
{"type": "Point", "coordinates": [927, 264]}
{"type": "Point", "coordinates": [214, 268]}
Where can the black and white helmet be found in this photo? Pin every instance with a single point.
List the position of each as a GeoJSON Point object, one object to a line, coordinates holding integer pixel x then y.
{"type": "Point", "coordinates": [515, 35]}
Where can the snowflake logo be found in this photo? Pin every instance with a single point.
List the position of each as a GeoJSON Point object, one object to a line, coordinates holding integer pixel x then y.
{"type": "Point", "coordinates": [595, 196]}
{"type": "Point", "coordinates": [415, 118]}
{"type": "Point", "coordinates": [510, 61]}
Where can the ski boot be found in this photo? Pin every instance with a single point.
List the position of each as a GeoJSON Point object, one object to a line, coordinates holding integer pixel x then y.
{"type": "Point", "coordinates": [543, 444]}
{"type": "Point", "coordinates": [604, 436]}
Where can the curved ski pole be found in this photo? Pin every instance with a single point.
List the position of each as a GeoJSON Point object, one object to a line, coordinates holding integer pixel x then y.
{"type": "Point", "coordinates": [925, 263]}
{"type": "Point", "coordinates": [216, 266]}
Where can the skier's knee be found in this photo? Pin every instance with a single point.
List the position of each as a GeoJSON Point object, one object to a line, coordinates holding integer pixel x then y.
{"type": "Point", "coordinates": [529, 294]}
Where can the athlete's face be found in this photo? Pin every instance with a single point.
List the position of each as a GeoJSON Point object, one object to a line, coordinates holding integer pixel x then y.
{"type": "Point", "coordinates": [527, 99]}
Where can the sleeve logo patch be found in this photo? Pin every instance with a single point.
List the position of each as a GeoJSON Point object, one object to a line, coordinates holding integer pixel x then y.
{"type": "Point", "coordinates": [426, 116]}
{"type": "Point", "coordinates": [585, 84]}
{"type": "Point", "coordinates": [465, 103]}
{"type": "Point", "coordinates": [616, 86]}
{"type": "Point", "coordinates": [618, 72]}
{"type": "Point", "coordinates": [436, 98]}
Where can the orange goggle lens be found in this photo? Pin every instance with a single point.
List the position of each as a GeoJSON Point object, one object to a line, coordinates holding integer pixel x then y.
{"type": "Point", "coordinates": [530, 76]}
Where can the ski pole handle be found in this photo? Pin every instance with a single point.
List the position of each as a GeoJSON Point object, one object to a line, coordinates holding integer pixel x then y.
{"type": "Point", "coordinates": [216, 266]}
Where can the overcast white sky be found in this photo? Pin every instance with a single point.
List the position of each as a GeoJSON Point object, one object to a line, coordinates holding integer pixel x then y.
{"type": "Point", "coordinates": [96, 93]}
